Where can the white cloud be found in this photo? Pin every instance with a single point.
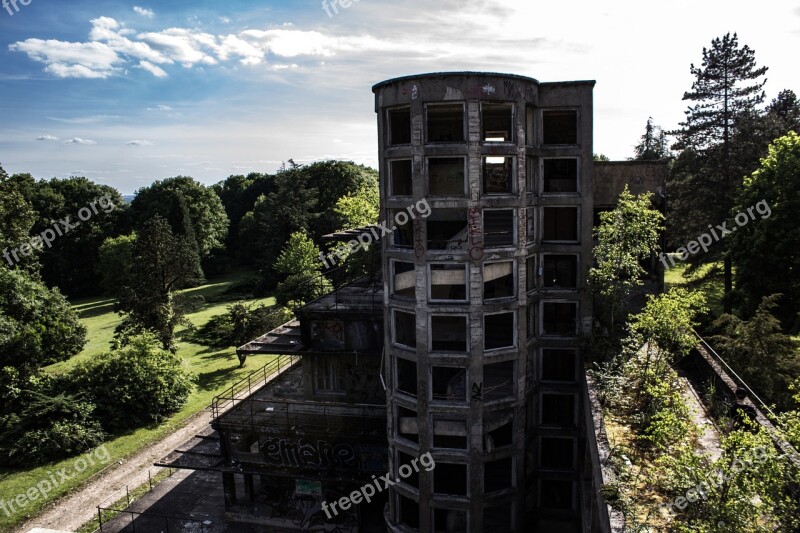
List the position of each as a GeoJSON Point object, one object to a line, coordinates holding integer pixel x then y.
{"type": "Point", "coordinates": [46, 138]}
{"type": "Point", "coordinates": [92, 119]}
{"type": "Point", "coordinates": [71, 60]}
{"type": "Point", "coordinates": [182, 45]}
{"type": "Point", "coordinates": [160, 107]}
{"type": "Point", "coordinates": [78, 140]}
{"type": "Point", "coordinates": [156, 71]}
{"type": "Point", "coordinates": [225, 20]}
{"type": "Point", "coordinates": [148, 13]}
{"type": "Point", "coordinates": [139, 143]}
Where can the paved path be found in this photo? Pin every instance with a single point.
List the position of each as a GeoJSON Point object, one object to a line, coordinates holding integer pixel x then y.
{"type": "Point", "coordinates": [708, 438]}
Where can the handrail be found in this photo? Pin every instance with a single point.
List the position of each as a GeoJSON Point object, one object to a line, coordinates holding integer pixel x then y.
{"type": "Point", "coordinates": [255, 380]}
{"type": "Point", "coordinates": [741, 381]}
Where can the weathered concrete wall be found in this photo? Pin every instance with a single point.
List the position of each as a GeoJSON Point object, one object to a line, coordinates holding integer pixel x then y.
{"type": "Point", "coordinates": [610, 178]}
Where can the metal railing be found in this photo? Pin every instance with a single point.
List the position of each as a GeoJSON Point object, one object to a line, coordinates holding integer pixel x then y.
{"type": "Point", "coordinates": [118, 502]}
{"type": "Point", "coordinates": [243, 389]}
{"type": "Point", "coordinates": [309, 417]}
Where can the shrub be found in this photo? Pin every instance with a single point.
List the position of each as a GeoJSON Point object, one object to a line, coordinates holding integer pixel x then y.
{"type": "Point", "coordinates": [48, 429]}
{"type": "Point", "coordinates": [240, 324]}
{"type": "Point", "coordinates": [134, 385]}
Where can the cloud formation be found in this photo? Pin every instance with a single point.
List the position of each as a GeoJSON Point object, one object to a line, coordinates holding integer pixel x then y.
{"type": "Point", "coordinates": [147, 13]}
{"type": "Point", "coordinates": [46, 138]}
{"type": "Point", "coordinates": [140, 143]}
{"type": "Point", "coordinates": [78, 140]}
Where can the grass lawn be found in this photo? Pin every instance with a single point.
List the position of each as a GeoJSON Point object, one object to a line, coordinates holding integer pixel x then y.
{"type": "Point", "coordinates": [215, 370]}
{"type": "Point", "coordinates": [708, 279]}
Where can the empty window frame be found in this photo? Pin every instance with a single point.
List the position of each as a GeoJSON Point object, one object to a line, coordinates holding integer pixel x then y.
{"type": "Point", "coordinates": [327, 376]}
{"type": "Point", "coordinates": [400, 177]}
{"type": "Point", "coordinates": [530, 273]}
{"type": "Point", "coordinates": [497, 432]}
{"type": "Point", "coordinates": [399, 127]}
{"type": "Point", "coordinates": [530, 174]}
{"type": "Point", "coordinates": [560, 224]}
{"type": "Point", "coordinates": [560, 319]}
{"type": "Point", "coordinates": [499, 331]}
{"type": "Point", "coordinates": [530, 123]}
{"type": "Point", "coordinates": [448, 333]}
{"type": "Point", "coordinates": [403, 282]}
{"type": "Point", "coordinates": [448, 282]}
{"type": "Point", "coordinates": [559, 364]}
{"type": "Point", "coordinates": [498, 228]}
{"type": "Point", "coordinates": [560, 127]}
{"type": "Point", "coordinates": [449, 520]}
{"type": "Point", "coordinates": [498, 280]}
{"type": "Point", "coordinates": [558, 409]}
{"type": "Point", "coordinates": [404, 464]}
{"type": "Point", "coordinates": [445, 123]}
{"type": "Point", "coordinates": [498, 381]}
{"type": "Point", "coordinates": [407, 512]}
{"type": "Point", "coordinates": [560, 271]}
{"type": "Point", "coordinates": [556, 494]}
{"type": "Point", "coordinates": [449, 433]}
{"type": "Point", "coordinates": [405, 333]}
{"type": "Point", "coordinates": [498, 475]}
{"type": "Point", "coordinates": [497, 122]}
{"type": "Point", "coordinates": [560, 176]}
{"type": "Point", "coordinates": [449, 383]}
{"type": "Point", "coordinates": [557, 453]}
{"type": "Point", "coordinates": [447, 229]}
{"type": "Point", "coordinates": [450, 478]}
{"type": "Point", "coordinates": [498, 175]}
{"type": "Point", "coordinates": [406, 376]}
{"type": "Point", "coordinates": [531, 320]}
{"type": "Point", "coordinates": [403, 235]}
{"type": "Point", "coordinates": [530, 224]}
{"type": "Point", "coordinates": [407, 424]}
{"type": "Point", "coordinates": [447, 176]}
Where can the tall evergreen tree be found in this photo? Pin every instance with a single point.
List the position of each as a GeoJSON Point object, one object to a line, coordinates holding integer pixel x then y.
{"type": "Point", "coordinates": [653, 145]}
{"type": "Point", "coordinates": [728, 87]}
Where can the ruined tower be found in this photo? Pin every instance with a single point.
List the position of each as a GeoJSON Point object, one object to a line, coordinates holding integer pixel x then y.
{"type": "Point", "coordinates": [485, 297]}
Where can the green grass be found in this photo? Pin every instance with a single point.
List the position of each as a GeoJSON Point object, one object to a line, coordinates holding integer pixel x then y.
{"type": "Point", "coordinates": [707, 279]}
{"type": "Point", "coordinates": [215, 369]}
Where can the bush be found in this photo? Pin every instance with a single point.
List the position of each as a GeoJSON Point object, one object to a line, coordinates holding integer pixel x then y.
{"type": "Point", "coordinates": [302, 288]}
{"type": "Point", "coordinates": [37, 325]}
{"type": "Point", "coordinates": [136, 385]}
{"type": "Point", "coordinates": [48, 429]}
{"type": "Point", "coordinates": [239, 325]}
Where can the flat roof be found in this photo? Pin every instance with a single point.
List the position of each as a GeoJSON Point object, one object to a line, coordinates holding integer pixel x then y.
{"type": "Point", "coordinates": [429, 75]}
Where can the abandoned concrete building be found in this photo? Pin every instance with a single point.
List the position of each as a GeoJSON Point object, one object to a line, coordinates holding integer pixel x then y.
{"type": "Point", "coordinates": [466, 341]}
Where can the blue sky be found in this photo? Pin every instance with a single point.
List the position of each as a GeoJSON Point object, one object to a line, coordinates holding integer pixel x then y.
{"type": "Point", "coordinates": [126, 93]}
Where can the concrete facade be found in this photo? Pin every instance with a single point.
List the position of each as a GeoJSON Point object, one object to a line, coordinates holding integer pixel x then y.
{"type": "Point", "coordinates": [486, 299]}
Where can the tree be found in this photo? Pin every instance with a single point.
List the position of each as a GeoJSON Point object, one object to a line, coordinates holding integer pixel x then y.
{"type": "Point", "coordinates": [116, 259]}
{"type": "Point", "coordinates": [728, 86]}
{"type": "Point", "coordinates": [207, 214]}
{"type": "Point", "coordinates": [162, 264]}
{"type": "Point", "coordinates": [627, 235]}
{"type": "Point", "coordinates": [653, 145]}
{"type": "Point", "coordinates": [37, 324]}
{"type": "Point", "coordinates": [760, 352]}
{"type": "Point", "coordinates": [16, 220]}
{"type": "Point", "coordinates": [600, 157]}
{"type": "Point", "coordinates": [765, 251]}
{"type": "Point", "coordinates": [361, 208]}
{"type": "Point", "coordinates": [300, 261]}
{"type": "Point", "coordinates": [134, 385]}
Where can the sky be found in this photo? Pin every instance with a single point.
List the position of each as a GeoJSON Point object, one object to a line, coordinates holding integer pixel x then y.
{"type": "Point", "coordinates": [128, 93]}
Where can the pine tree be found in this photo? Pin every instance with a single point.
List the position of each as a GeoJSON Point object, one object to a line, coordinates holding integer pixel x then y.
{"type": "Point", "coordinates": [653, 145]}
{"type": "Point", "coordinates": [728, 87]}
